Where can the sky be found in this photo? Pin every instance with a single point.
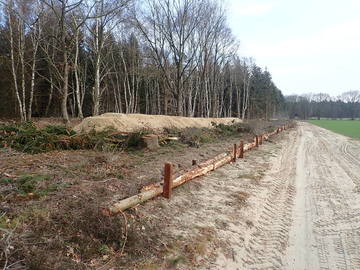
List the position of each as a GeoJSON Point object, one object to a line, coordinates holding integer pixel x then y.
{"type": "Point", "coordinates": [307, 45]}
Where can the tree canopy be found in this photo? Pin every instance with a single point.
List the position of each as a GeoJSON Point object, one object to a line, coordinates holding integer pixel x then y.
{"type": "Point", "coordinates": [75, 58]}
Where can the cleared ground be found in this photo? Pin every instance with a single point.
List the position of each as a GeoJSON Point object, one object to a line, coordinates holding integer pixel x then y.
{"type": "Point", "coordinates": [50, 203]}
{"type": "Point", "coordinates": [349, 128]}
{"type": "Point", "coordinates": [290, 205]}
{"type": "Point", "coordinates": [294, 203]}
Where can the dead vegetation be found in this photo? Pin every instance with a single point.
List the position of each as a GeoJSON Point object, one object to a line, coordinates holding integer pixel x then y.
{"type": "Point", "coordinates": [27, 138]}
{"type": "Point", "coordinates": [70, 233]}
{"type": "Point", "coordinates": [51, 197]}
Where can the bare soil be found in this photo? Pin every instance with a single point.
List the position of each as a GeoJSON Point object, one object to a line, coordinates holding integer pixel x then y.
{"type": "Point", "coordinates": [325, 232]}
{"type": "Point", "coordinates": [60, 226]}
{"type": "Point", "coordinates": [292, 204]}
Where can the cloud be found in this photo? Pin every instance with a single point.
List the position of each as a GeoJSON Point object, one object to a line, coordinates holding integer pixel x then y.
{"type": "Point", "coordinates": [305, 44]}
{"type": "Point", "coordinates": [251, 8]}
{"type": "Point", "coordinates": [338, 39]}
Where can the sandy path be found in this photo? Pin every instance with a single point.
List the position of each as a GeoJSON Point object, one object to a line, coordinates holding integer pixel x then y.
{"type": "Point", "coordinates": [302, 211]}
{"type": "Point", "coordinates": [326, 231]}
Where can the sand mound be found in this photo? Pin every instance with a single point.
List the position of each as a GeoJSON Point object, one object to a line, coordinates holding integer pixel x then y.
{"type": "Point", "coordinates": [157, 123]}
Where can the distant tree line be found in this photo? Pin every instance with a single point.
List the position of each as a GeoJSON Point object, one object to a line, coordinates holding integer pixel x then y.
{"type": "Point", "coordinates": [76, 58]}
{"type": "Point", "coordinates": [321, 105]}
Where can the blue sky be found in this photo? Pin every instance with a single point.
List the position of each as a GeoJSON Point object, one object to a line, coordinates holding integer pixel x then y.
{"type": "Point", "coordinates": [307, 45]}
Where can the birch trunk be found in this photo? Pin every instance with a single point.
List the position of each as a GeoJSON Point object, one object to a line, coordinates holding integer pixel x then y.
{"type": "Point", "coordinates": [76, 71]}
{"type": "Point", "coordinates": [13, 67]}
{"type": "Point", "coordinates": [35, 38]}
{"type": "Point", "coordinates": [65, 88]}
{"type": "Point", "coordinates": [96, 87]}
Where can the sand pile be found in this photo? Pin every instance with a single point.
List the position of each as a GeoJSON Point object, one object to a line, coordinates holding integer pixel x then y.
{"type": "Point", "coordinates": [157, 123]}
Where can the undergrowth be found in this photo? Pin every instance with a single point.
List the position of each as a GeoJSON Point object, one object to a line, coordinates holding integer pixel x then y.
{"type": "Point", "coordinates": [25, 137]}
{"type": "Point", "coordinates": [37, 185]}
{"type": "Point", "coordinates": [73, 236]}
{"type": "Point", "coordinates": [196, 136]}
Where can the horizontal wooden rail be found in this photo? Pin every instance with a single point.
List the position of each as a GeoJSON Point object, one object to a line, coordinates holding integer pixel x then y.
{"type": "Point", "coordinates": [203, 168]}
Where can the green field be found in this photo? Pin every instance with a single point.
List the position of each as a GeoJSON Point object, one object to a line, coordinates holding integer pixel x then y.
{"type": "Point", "coordinates": [349, 128]}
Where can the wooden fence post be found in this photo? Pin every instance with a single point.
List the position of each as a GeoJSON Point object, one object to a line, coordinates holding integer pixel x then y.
{"type": "Point", "coordinates": [235, 152]}
{"type": "Point", "coordinates": [256, 141]}
{"type": "Point", "coordinates": [241, 155]}
{"type": "Point", "coordinates": [167, 188]}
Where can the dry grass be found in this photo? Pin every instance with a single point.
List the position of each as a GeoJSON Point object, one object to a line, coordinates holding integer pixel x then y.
{"type": "Point", "coordinates": [189, 251]}
{"type": "Point", "coordinates": [50, 210]}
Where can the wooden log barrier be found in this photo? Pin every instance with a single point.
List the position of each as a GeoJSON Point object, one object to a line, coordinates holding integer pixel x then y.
{"type": "Point", "coordinates": [157, 189]}
{"type": "Point", "coordinates": [168, 171]}
{"type": "Point", "coordinates": [241, 155]}
{"type": "Point", "coordinates": [235, 153]}
{"type": "Point", "coordinates": [209, 164]}
{"type": "Point", "coordinates": [249, 146]}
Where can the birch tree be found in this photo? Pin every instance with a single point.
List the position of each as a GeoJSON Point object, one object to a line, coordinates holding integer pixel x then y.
{"type": "Point", "coordinates": [24, 22]}
{"type": "Point", "coordinates": [107, 14]}
{"type": "Point", "coordinates": [61, 44]}
{"type": "Point", "coordinates": [168, 28]}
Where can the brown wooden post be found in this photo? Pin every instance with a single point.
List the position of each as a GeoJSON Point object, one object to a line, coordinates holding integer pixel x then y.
{"type": "Point", "coordinates": [194, 162]}
{"type": "Point", "coordinates": [278, 130]}
{"type": "Point", "coordinates": [235, 151]}
{"type": "Point", "coordinates": [241, 155]}
{"type": "Point", "coordinates": [256, 141]}
{"type": "Point", "coordinates": [167, 188]}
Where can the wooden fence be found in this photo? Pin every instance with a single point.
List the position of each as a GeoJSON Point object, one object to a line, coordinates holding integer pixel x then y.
{"type": "Point", "coordinates": [165, 188]}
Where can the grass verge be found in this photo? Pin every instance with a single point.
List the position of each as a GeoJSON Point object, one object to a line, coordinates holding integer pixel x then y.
{"type": "Point", "coordinates": [350, 128]}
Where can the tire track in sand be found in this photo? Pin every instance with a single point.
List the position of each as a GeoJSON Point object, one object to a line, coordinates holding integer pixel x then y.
{"type": "Point", "coordinates": [269, 240]}
{"type": "Point", "coordinates": [331, 213]}
{"type": "Point", "coordinates": [302, 210]}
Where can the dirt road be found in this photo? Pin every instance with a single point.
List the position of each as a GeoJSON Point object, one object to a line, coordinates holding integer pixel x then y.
{"type": "Point", "coordinates": [293, 204]}
{"type": "Point", "coordinates": [326, 220]}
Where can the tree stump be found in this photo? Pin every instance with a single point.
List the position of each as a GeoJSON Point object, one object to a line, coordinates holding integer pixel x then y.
{"type": "Point", "coordinates": [151, 142]}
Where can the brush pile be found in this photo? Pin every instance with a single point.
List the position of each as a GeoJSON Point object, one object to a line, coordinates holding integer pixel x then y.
{"type": "Point", "coordinates": [27, 138]}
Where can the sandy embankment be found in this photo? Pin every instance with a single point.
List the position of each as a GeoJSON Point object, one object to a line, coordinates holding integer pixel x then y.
{"type": "Point", "coordinates": [157, 123]}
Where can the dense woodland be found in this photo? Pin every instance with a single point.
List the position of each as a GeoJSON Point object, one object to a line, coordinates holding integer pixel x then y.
{"type": "Point", "coordinates": [76, 58]}
{"type": "Point", "coordinates": [321, 105]}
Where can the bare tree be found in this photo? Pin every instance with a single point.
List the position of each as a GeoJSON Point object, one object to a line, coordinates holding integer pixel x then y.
{"type": "Point", "coordinates": [169, 28]}
{"type": "Point", "coordinates": [77, 19]}
{"type": "Point", "coordinates": [24, 23]}
{"type": "Point", "coordinates": [246, 79]}
{"type": "Point", "coordinates": [107, 14]}
{"type": "Point", "coordinates": [352, 98]}
{"type": "Point", "coordinates": [170, 57]}
{"type": "Point", "coordinates": [61, 44]}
